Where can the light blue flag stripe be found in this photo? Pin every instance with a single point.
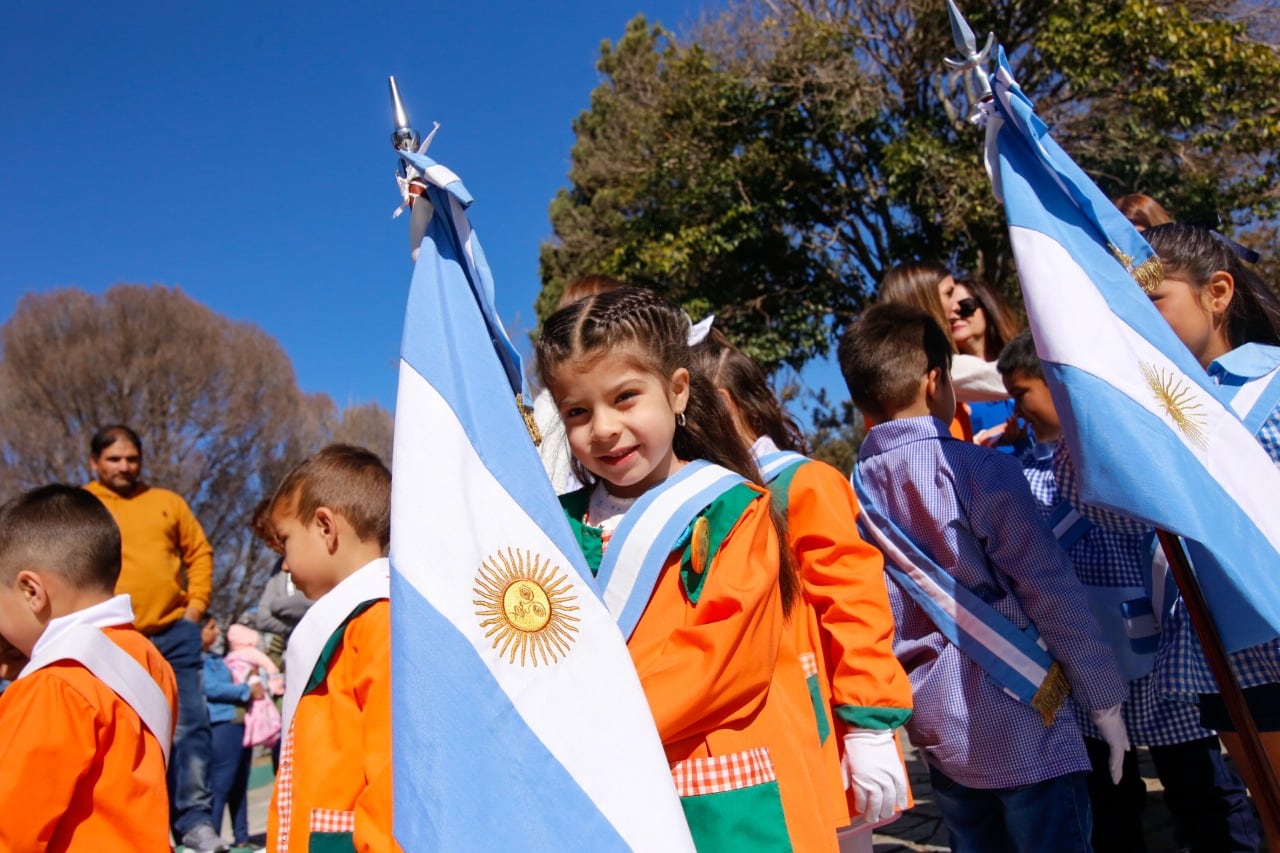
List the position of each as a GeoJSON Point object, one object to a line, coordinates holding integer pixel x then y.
{"type": "Point", "coordinates": [1129, 459]}
{"type": "Point", "coordinates": [542, 807]}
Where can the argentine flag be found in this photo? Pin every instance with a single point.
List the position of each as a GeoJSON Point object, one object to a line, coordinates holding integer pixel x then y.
{"type": "Point", "coordinates": [518, 721]}
{"type": "Point", "coordinates": [1145, 425]}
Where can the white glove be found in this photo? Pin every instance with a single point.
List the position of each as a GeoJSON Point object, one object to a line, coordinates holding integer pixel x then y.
{"type": "Point", "coordinates": [1111, 726]}
{"type": "Point", "coordinates": [874, 770]}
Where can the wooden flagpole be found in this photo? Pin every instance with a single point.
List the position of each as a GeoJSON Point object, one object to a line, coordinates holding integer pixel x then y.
{"type": "Point", "coordinates": [1267, 793]}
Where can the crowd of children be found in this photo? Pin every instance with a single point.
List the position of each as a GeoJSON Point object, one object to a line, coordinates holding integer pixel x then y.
{"type": "Point", "coordinates": [800, 624]}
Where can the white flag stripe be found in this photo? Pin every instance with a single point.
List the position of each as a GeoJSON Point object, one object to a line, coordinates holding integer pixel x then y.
{"type": "Point", "coordinates": [1083, 333]}
{"type": "Point", "coordinates": [436, 565]}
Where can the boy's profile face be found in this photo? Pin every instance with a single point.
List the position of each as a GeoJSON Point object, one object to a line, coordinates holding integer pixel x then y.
{"type": "Point", "coordinates": [305, 546]}
{"type": "Point", "coordinates": [1033, 403]}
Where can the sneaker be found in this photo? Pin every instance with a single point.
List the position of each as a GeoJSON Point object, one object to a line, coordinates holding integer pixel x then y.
{"type": "Point", "coordinates": [202, 839]}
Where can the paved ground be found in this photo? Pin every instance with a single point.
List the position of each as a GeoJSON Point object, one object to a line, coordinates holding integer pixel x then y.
{"type": "Point", "coordinates": [919, 830]}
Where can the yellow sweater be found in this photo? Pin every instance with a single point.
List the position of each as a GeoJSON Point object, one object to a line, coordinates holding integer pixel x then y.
{"type": "Point", "coordinates": [160, 537]}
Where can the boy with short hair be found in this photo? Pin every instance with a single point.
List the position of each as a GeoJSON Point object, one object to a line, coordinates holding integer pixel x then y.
{"type": "Point", "coordinates": [1206, 798]}
{"type": "Point", "coordinates": [85, 728]}
{"type": "Point", "coordinates": [980, 590]}
{"type": "Point", "coordinates": [332, 516]}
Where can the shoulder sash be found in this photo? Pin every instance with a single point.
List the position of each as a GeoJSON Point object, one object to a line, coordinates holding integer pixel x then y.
{"type": "Point", "coordinates": [1255, 399]}
{"type": "Point", "coordinates": [648, 533]}
{"type": "Point", "coordinates": [116, 668]}
{"type": "Point", "coordinates": [773, 464]}
{"type": "Point", "coordinates": [1013, 658]}
{"type": "Point", "coordinates": [322, 619]}
{"type": "Point", "coordinates": [1067, 524]}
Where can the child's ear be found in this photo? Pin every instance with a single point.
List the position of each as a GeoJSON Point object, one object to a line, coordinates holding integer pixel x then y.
{"type": "Point", "coordinates": [327, 524]}
{"type": "Point", "coordinates": [679, 390]}
{"type": "Point", "coordinates": [1219, 290]}
{"type": "Point", "coordinates": [33, 590]}
{"type": "Point", "coordinates": [933, 383]}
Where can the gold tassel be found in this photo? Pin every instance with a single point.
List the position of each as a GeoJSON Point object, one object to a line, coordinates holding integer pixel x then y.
{"type": "Point", "coordinates": [1052, 693]}
{"type": "Point", "coordinates": [1149, 274]}
{"type": "Point", "coordinates": [529, 423]}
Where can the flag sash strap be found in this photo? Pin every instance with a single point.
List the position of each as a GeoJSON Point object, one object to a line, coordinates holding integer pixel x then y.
{"type": "Point", "coordinates": [650, 531]}
{"type": "Point", "coordinates": [1013, 658]}
{"type": "Point", "coordinates": [116, 668]}
{"type": "Point", "coordinates": [773, 464]}
{"type": "Point", "coordinates": [317, 625]}
{"type": "Point", "coordinates": [1255, 400]}
{"type": "Point", "coordinates": [1067, 524]}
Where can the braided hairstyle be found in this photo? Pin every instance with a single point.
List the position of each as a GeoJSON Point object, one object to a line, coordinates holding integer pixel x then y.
{"type": "Point", "coordinates": [1196, 253]}
{"type": "Point", "coordinates": [652, 334]}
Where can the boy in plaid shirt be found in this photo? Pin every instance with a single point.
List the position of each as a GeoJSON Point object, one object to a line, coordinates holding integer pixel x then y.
{"type": "Point", "coordinates": [1206, 798]}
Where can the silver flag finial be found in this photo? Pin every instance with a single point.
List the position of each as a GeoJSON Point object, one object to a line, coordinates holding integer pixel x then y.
{"type": "Point", "coordinates": [972, 61]}
{"type": "Point", "coordinates": [404, 137]}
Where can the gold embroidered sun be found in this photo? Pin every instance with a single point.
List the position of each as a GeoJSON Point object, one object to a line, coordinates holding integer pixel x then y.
{"type": "Point", "coordinates": [1179, 403]}
{"type": "Point", "coordinates": [526, 606]}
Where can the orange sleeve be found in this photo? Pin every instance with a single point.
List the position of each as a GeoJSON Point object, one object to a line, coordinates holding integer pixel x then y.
{"type": "Point", "coordinates": [47, 740]}
{"type": "Point", "coordinates": [716, 667]}
{"type": "Point", "coordinates": [368, 636]}
{"type": "Point", "coordinates": [844, 580]}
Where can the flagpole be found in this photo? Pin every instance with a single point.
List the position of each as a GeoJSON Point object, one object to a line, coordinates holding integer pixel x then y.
{"type": "Point", "coordinates": [1253, 755]}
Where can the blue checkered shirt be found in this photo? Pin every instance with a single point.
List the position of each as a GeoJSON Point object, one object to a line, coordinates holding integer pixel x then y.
{"type": "Point", "coordinates": [970, 509]}
{"type": "Point", "coordinates": [1106, 558]}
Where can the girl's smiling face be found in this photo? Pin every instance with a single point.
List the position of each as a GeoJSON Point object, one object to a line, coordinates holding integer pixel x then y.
{"type": "Point", "coordinates": [968, 322]}
{"type": "Point", "coordinates": [621, 420]}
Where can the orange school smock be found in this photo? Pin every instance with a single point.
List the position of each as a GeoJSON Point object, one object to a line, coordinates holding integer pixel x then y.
{"type": "Point", "coordinates": [848, 622]}
{"type": "Point", "coordinates": [78, 770]}
{"type": "Point", "coordinates": [335, 767]}
{"type": "Point", "coordinates": [723, 683]}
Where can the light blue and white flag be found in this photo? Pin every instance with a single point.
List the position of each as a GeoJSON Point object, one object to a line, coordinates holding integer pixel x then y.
{"type": "Point", "coordinates": [1147, 429]}
{"type": "Point", "coordinates": [518, 721]}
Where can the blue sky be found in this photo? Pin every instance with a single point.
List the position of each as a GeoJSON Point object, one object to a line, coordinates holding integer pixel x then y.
{"type": "Point", "coordinates": [241, 151]}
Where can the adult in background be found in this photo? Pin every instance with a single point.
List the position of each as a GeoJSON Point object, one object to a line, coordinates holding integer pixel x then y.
{"type": "Point", "coordinates": [981, 325]}
{"type": "Point", "coordinates": [167, 571]}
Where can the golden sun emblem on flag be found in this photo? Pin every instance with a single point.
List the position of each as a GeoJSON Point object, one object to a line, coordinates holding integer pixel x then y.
{"type": "Point", "coordinates": [526, 607]}
{"type": "Point", "coordinates": [1179, 403]}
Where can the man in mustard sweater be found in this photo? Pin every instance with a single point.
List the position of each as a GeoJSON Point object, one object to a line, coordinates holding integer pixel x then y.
{"type": "Point", "coordinates": [167, 571]}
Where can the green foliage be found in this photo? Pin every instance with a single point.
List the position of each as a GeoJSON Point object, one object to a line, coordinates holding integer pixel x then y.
{"type": "Point", "coordinates": [772, 166]}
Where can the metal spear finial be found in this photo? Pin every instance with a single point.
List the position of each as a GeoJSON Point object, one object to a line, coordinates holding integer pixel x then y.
{"type": "Point", "coordinates": [973, 62]}
{"type": "Point", "coordinates": [404, 137]}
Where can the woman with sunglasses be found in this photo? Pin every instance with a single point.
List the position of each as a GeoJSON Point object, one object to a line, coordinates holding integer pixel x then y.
{"type": "Point", "coordinates": [930, 286]}
{"type": "Point", "coordinates": [981, 325]}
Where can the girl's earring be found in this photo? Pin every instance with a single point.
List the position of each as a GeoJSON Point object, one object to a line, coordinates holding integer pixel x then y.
{"type": "Point", "coordinates": [680, 419]}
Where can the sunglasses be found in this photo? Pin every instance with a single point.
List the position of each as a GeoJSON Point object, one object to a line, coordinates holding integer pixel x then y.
{"type": "Point", "coordinates": [967, 307]}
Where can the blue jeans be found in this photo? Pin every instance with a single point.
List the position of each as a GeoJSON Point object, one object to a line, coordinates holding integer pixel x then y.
{"type": "Point", "coordinates": [190, 803]}
{"type": "Point", "coordinates": [229, 778]}
{"type": "Point", "coordinates": [1047, 817]}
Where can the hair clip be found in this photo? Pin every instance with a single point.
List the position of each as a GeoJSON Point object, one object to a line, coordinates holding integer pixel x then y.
{"type": "Point", "coordinates": [698, 331]}
{"type": "Point", "coordinates": [1213, 224]}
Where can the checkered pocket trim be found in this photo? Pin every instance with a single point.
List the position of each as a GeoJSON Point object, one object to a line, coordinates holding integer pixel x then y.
{"type": "Point", "coordinates": [284, 793]}
{"type": "Point", "coordinates": [809, 661]}
{"type": "Point", "coordinates": [332, 820]}
{"type": "Point", "coordinates": [719, 773]}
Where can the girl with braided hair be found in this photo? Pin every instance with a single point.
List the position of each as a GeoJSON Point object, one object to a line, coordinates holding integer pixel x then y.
{"type": "Point", "coordinates": [685, 546]}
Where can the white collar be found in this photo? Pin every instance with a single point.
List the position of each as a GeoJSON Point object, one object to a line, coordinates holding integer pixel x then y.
{"type": "Point", "coordinates": [117, 610]}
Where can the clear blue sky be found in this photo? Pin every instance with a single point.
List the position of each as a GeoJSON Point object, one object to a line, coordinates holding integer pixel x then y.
{"type": "Point", "coordinates": [241, 151]}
